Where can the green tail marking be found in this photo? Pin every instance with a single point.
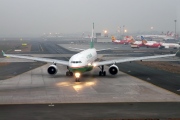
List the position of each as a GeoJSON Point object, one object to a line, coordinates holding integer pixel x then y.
{"type": "Point", "coordinates": [3, 53]}
{"type": "Point", "coordinates": [92, 43]}
{"type": "Point", "coordinates": [92, 38]}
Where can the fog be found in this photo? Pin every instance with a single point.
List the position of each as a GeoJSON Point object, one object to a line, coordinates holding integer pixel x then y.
{"type": "Point", "coordinates": [28, 18]}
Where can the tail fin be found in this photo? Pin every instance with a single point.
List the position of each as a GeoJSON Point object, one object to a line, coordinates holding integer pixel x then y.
{"type": "Point", "coordinates": [3, 53]}
{"type": "Point", "coordinates": [167, 34]}
{"type": "Point", "coordinates": [142, 38]}
{"type": "Point", "coordinates": [113, 38]}
{"type": "Point", "coordinates": [92, 38]}
{"type": "Point", "coordinates": [132, 40]}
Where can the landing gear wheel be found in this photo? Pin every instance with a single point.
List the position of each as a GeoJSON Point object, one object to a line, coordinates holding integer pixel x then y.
{"type": "Point", "coordinates": [102, 72]}
{"type": "Point", "coordinates": [68, 73]}
{"type": "Point", "coordinates": [71, 73]}
{"type": "Point", "coordinates": [77, 80]}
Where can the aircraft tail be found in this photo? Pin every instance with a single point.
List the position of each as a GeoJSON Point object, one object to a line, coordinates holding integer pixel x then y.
{"type": "Point", "coordinates": [143, 40]}
{"type": "Point", "coordinates": [113, 38]}
{"type": "Point", "coordinates": [132, 40]}
{"type": "Point", "coordinates": [172, 34]}
{"type": "Point", "coordinates": [3, 53]}
{"type": "Point", "coordinates": [92, 38]}
{"type": "Point", "coordinates": [167, 34]}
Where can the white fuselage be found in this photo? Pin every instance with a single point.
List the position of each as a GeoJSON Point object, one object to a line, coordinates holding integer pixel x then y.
{"type": "Point", "coordinates": [156, 36]}
{"type": "Point", "coordinates": [137, 42]}
{"type": "Point", "coordinates": [170, 45]}
{"type": "Point", "coordinates": [83, 59]}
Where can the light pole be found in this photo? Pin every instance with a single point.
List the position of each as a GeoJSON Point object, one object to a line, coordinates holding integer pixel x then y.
{"type": "Point", "coordinates": [175, 28]}
{"type": "Point", "coordinates": [123, 30]}
{"type": "Point", "coordinates": [119, 31]}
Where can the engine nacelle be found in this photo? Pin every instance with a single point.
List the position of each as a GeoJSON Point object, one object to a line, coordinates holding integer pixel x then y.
{"type": "Point", "coordinates": [52, 70]}
{"type": "Point", "coordinates": [113, 69]}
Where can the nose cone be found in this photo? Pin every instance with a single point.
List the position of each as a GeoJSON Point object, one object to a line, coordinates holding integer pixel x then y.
{"type": "Point", "coordinates": [75, 60]}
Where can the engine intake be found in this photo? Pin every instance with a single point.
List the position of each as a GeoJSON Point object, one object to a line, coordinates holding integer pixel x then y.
{"type": "Point", "coordinates": [113, 69]}
{"type": "Point", "coordinates": [52, 70]}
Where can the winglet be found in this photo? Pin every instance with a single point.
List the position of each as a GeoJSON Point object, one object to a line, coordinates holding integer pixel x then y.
{"type": "Point", "coordinates": [3, 53]}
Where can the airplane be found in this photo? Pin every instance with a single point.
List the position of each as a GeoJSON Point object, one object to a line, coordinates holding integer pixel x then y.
{"type": "Point", "coordinates": [165, 37]}
{"type": "Point", "coordinates": [169, 45]}
{"type": "Point", "coordinates": [125, 41]}
{"type": "Point", "coordinates": [84, 61]}
{"type": "Point", "coordinates": [137, 44]}
{"type": "Point", "coordinates": [145, 43]}
{"type": "Point", "coordinates": [150, 44]}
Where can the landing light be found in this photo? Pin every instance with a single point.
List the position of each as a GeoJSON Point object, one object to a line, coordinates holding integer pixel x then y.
{"type": "Point", "coordinates": [94, 65]}
{"type": "Point", "coordinates": [77, 75]}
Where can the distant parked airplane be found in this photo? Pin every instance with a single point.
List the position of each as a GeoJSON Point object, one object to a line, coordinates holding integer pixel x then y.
{"type": "Point", "coordinates": [126, 40]}
{"type": "Point", "coordinates": [165, 37]}
{"type": "Point", "coordinates": [170, 45]}
{"type": "Point", "coordinates": [150, 44]}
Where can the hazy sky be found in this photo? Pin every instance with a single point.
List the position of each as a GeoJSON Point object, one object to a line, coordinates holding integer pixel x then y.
{"type": "Point", "coordinates": [35, 17]}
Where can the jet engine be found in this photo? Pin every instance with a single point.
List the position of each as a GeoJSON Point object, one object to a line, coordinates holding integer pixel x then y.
{"type": "Point", "coordinates": [113, 69]}
{"type": "Point", "coordinates": [52, 70]}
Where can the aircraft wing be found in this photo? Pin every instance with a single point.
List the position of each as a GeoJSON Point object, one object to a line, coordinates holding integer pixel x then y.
{"type": "Point", "coordinates": [130, 59]}
{"type": "Point", "coordinates": [107, 49]}
{"type": "Point", "coordinates": [79, 49]}
{"type": "Point", "coordinates": [48, 60]}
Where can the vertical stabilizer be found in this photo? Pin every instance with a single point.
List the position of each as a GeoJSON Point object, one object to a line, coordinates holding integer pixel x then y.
{"type": "Point", "coordinates": [92, 38]}
{"type": "Point", "coordinates": [113, 38]}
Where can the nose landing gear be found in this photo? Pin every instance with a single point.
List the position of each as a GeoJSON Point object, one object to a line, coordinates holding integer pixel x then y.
{"type": "Point", "coordinates": [77, 75]}
{"type": "Point", "coordinates": [77, 80]}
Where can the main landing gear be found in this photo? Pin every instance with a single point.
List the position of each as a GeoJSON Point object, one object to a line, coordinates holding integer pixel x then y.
{"type": "Point", "coordinates": [69, 73]}
{"type": "Point", "coordinates": [102, 72]}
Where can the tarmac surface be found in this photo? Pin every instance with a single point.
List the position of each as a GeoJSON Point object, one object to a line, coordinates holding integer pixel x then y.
{"type": "Point", "coordinates": [35, 87]}
{"type": "Point", "coordinates": [92, 111]}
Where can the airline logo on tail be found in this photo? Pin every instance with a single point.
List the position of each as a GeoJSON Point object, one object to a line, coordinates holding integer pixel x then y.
{"type": "Point", "coordinates": [113, 38]}
{"type": "Point", "coordinates": [92, 38]}
{"type": "Point", "coordinates": [143, 40]}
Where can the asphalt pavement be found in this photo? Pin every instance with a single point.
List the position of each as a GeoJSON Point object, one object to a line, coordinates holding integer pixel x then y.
{"type": "Point", "coordinates": [167, 80]}
{"type": "Point", "coordinates": [92, 111]}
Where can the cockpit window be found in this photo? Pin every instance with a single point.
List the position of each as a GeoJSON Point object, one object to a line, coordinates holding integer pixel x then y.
{"type": "Point", "coordinates": [76, 62]}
